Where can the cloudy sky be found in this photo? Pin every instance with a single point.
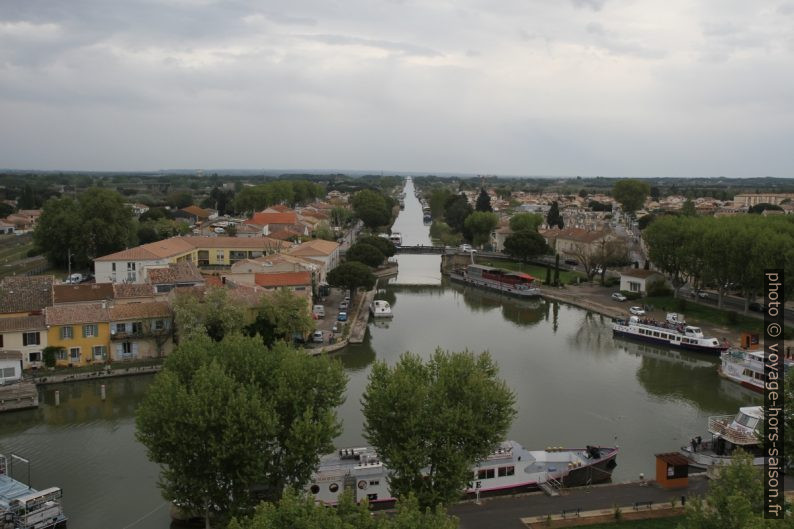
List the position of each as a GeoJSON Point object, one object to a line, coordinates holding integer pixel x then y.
{"type": "Point", "coordinates": [526, 87]}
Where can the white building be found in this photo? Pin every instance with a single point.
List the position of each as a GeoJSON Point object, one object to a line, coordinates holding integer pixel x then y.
{"type": "Point", "coordinates": [26, 335]}
{"type": "Point", "coordinates": [638, 279]}
{"type": "Point", "coordinates": [10, 367]}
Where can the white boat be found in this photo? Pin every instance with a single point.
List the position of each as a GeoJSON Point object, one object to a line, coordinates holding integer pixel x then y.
{"type": "Point", "coordinates": [505, 281]}
{"type": "Point", "coordinates": [509, 468]}
{"type": "Point", "coordinates": [22, 507]}
{"type": "Point", "coordinates": [396, 238]}
{"type": "Point", "coordinates": [728, 432]}
{"type": "Point", "coordinates": [674, 335]}
{"type": "Point", "coordinates": [746, 368]}
{"type": "Point", "coordinates": [380, 309]}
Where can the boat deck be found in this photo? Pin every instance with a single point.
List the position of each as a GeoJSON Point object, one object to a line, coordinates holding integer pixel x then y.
{"type": "Point", "coordinates": [11, 489]}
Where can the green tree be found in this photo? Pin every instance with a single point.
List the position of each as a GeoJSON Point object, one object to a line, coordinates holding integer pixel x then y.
{"type": "Point", "coordinates": [281, 315]}
{"type": "Point", "coordinates": [430, 422]}
{"type": "Point", "coordinates": [631, 193]}
{"type": "Point", "coordinates": [688, 208]}
{"type": "Point", "coordinates": [525, 221]}
{"type": "Point", "coordinates": [372, 208]}
{"type": "Point", "coordinates": [5, 210]}
{"type": "Point", "coordinates": [340, 216]}
{"type": "Point", "coordinates": [179, 199]}
{"type": "Point", "coordinates": [351, 275]}
{"type": "Point", "coordinates": [456, 210]}
{"type": "Point", "coordinates": [324, 231]}
{"type": "Point", "coordinates": [525, 245]}
{"type": "Point", "coordinates": [365, 253]}
{"type": "Point", "coordinates": [760, 208]}
{"type": "Point", "coordinates": [223, 417]}
{"type": "Point", "coordinates": [553, 217]}
{"type": "Point", "coordinates": [383, 244]}
{"type": "Point", "coordinates": [480, 224]}
{"type": "Point", "coordinates": [483, 201]}
{"type": "Point", "coordinates": [214, 314]}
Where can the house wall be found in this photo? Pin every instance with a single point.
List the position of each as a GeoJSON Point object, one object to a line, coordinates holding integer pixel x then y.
{"type": "Point", "coordinates": [143, 345]}
{"type": "Point", "coordinates": [12, 341]}
{"type": "Point", "coordinates": [104, 273]}
{"type": "Point", "coordinates": [85, 344]}
{"type": "Point", "coordinates": [639, 284]}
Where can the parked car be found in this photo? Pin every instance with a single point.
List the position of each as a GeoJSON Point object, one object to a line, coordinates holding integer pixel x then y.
{"type": "Point", "coordinates": [617, 296]}
{"type": "Point", "coordinates": [466, 248]}
{"type": "Point", "coordinates": [702, 295]}
{"type": "Point", "coordinates": [637, 311]}
{"type": "Point", "coordinates": [317, 337]}
{"type": "Point", "coordinates": [571, 262]}
{"type": "Point", "coordinates": [343, 305]}
{"type": "Point", "coordinates": [319, 311]}
{"type": "Point", "coordinates": [757, 307]}
{"type": "Point", "coordinates": [342, 316]}
{"type": "Point", "coordinates": [74, 279]}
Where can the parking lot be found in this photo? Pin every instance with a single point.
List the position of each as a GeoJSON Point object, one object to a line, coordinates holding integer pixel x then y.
{"type": "Point", "coordinates": [327, 323]}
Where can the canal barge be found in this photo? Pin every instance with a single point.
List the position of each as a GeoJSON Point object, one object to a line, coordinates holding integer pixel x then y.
{"type": "Point", "coordinates": [746, 368]}
{"type": "Point", "coordinates": [728, 433]}
{"type": "Point", "coordinates": [669, 334]}
{"type": "Point", "coordinates": [380, 309]}
{"type": "Point", "coordinates": [22, 507]}
{"type": "Point", "coordinates": [504, 281]}
{"type": "Point", "coordinates": [510, 468]}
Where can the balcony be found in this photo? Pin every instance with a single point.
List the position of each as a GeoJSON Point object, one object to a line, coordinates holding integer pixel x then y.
{"type": "Point", "coordinates": [139, 334]}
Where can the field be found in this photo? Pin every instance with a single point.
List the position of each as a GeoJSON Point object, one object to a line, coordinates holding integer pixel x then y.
{"type": "Point", "coordinates": [14, 258]}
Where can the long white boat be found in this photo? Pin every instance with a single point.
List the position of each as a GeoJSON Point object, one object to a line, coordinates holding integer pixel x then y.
{"type": "Point", "coordinates": [380, 309]}
{"type": "Point", "coordinates": [746, 368]}
{"type": "Point", "coordinates": [505, 281]}
{"type": "Point", "coordinates": [510, 468]}
{"type": "Point", "coordinates": [22, 507]}
{"type": "Point", "coordinates": [664, 333]}
{"type": "Point", "coordinates": [728, 432]}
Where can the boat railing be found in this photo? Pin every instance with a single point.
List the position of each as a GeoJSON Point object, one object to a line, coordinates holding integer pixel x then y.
{"type": "Point", "coordinates": [721, 425]}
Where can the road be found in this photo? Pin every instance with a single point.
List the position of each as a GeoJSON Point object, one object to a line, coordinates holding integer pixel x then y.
{"type": "Point", "coordinates": [731, 303]}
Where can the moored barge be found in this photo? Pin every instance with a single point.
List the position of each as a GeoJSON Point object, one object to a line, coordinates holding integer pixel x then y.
{"type": "Point", "coordinates": [670, 334]}
{"type": "Point", "coordinates": [505, 281]}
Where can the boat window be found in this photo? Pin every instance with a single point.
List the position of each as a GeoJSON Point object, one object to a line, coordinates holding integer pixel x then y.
{"type": "Point", "coordinates": [372, 497]}
{"type": "Point", "coordinates": [507, 471]}
{"type": "Point", "coordinates": [374, 482]}
{"type": "Point", "coordinates": [746, 420]}
{"type": "Point", "coordinates": [315, 488]}
{"type": "Point", "coordinates": [656, 334]}
{"type": "Point", "coordinates": [486, 473]}
{"type": "Point", "coordinates": [333, 487]}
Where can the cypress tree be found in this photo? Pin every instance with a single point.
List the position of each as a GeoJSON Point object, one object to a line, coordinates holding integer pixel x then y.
{"type": "Point", "coordinates": [483, 201]}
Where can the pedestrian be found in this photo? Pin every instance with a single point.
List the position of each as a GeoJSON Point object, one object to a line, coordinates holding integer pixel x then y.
{"type": "Point", "coordinates": [694, 445]}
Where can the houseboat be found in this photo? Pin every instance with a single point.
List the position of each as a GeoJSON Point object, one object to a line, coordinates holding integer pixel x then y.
{"type": "Point", "coordinates": [396, 238]}
{"type": "Point", "coordinates": [505, 281]}
{"type": "Point", "coordinates": [746, 368]}
{"type": "Point", "coordinates": [728, 432]}
{"type": "Point", "coordinates": [509, 468]}
{"type": "Point", "coordinates": [380, 309]}
{"type": "Point", "coordinates": [669, 334]}
{"type": "Point", "coordinates": [22, 507]}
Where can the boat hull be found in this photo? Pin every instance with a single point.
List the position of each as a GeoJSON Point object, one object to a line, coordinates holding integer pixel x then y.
{"type": "Point", "coordinates": [492, 285]}
{"type": "Point", "coordinates": [661, 341]}
{"type": "Point", "coordinates": [758, 388]}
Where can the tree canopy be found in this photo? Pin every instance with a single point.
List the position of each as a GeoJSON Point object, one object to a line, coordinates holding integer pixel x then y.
{"type": "Point", "coordinates": [366, 253]}
{"type": "Point", "coordinates": [483, 201]}
{"type": "Point", "coordinates": [373, 208]}
{"type": "Point", "coordinates": [525, 245]}
{"type": "Point", "coordinates": [526, 221]}
{"type": "Point", "coordinates": [281, 316]}
{"type": "Point", "coordinates": [96, 224]}
{"type": "Point", "coordinates": [480, 224]}
{"type": "Point", "coordinates": [431, 421]}
{"type": "Point", "coordinates": [553, 218]}
{"type": "Point", "coordinates": [214, 314]}
{"type": "Point", "coordinates": [351, 275]}
{"type": "Point", "coordinates": [631, 193]}
{"type": "Point", "coordinates": [456, 210]}
{"type": "Point", "coordinates": [383, 244]}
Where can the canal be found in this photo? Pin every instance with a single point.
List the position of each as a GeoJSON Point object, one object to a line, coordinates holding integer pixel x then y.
{"type": "Point", "coordinates": [575, 385]}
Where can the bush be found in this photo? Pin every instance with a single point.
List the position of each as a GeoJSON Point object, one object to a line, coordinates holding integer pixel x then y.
{"type": "Point", "coordinates": [611, 281]}
{"type": "Point", "coordinates": [49, 355]}
{"type": "Point", "coordinates": [659, 289]}
{"type": "Point", "coordinates": [631, 295]}
{"type": "Point", "coordinates": [33, 252]}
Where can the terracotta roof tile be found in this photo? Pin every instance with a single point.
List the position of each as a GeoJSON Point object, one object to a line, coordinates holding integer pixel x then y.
{"type": "Point", "coordinates": [22, 323]}
{"type": "Point", "coordinates": [263, 219]}
{"type": "Point", "coordinates": [132, 290]}
{"type": "Point", "coordinates": [182, 272]}
{"type": "Point", "coordinates": [131, 311]}
{"type": "Point", "coordinates": [283, 279]}
{"type": "Point", "coordinates": [25, 294]}
{"type": "Point", "coordinates": [76, 313]}
{"type": "Point", "coordinates": [82, 293]}
{"type": "Point", "coordinates": [314, 247]}
{"type": "Point", "coordinates": [196, 211]}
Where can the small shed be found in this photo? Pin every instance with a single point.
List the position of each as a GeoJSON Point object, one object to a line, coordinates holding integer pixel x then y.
{"type": "Point", "coordinates": [749, 340]}
{"type": "Point", "coordinates": [638, 279]}
{"type": "Point", "coordinates": [10, 367]}
{"type": "Point", "coordinates": [672, 470]}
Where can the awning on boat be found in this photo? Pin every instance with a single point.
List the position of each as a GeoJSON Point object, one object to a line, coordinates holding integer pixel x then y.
{"type": "Point", "coordinates": [522, 275]}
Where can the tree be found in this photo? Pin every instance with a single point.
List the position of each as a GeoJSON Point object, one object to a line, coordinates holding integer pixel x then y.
{"type": "Point", "coordinates": [430, 422]}
{"type": "Point", "coordinates": [351, 275]}
{"type": "Point", "coordinates": [223, 417]}
{"type": "Point", "coordinates": [281, 315]}
{"type": "Point", "coordinates": [340, 216]}
{"type": "Point", "coordinates": [365, 253]}
{"type": "Point", "coordinates": [735, 499]}
{"type": "Point", "coordinates": [5, 210]}
{"type": "Point", "coordinates": [372, 208]}
{"type": "Point", "coordinates": [483, 201]}
{"type": "Point", "coordinates": [324, 231]}
{"type": "Point", "coordinates": [631, 193]}
{"type": "Point", "coordinates": [456, 210]}
{"type": "Point", "coordinates": [553, 218]}
{"type": "Point", "coordinates": [480, 224]}
{"type": "Point", "coordinates": [525, 245]}
{"type": "Point", "coordinates": [215, 314]}
{"type": "Point", "coordinates": [688, 208]}
{"type": "Point", "coordinates": [383, 244]}
{"type": "Point", "coordinates": [760, 208]}
{"type": "Point", "coordinates": [96, 224]}
{"type": "Point", "coordinates": [526, 221]}
{"type": "Point", "coordinates": [301, 511]}
{"type": "Point", "coordinates": [179, 199]}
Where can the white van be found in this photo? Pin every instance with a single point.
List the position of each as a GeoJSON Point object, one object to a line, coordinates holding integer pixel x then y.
{"type": "Point", "coordinates": [319, 311]}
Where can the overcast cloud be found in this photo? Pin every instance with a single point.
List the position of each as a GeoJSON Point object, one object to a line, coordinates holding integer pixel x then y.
{"type": "Point", "coordinates": [527, 87]}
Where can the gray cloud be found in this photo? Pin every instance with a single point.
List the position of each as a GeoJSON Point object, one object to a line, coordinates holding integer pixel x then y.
{"type": "Point", "coordinates": [595, 5]}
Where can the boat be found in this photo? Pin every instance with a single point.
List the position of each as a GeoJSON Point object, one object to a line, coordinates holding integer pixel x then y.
{"type": "Point", "coordinates": [22, 507]}
{"type": "Point", "coordinates": [678, 335]}
{"type": "Point", "coordinates": [510, 468]}
{"type": "Point", "coordinates": [728, 433]}
{"type": "Point", "coordinates": [505, 281]}
{"type": "Point", "coordinates": [380, 309]}
{"type": "Point", "coordinates": [427, 217]}
{"type": "Point", "coordinates": [396, 238]}
{"type": "Point", "coordinates": [746, 368]}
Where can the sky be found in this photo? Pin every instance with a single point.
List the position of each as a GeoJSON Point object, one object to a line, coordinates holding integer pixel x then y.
{"type": "Point", "coordinates": [516, 87]}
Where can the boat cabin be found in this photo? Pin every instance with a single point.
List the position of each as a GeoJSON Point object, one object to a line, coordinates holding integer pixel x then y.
{"type": "Point", "coordinates": [498, 274]}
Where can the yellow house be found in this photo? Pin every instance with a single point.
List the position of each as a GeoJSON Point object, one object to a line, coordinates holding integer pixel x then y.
{"type": "Point", "coordinates": [81, 331]}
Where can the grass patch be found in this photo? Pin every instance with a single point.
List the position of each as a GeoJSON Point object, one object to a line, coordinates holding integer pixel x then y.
{"type": "Point", "coordinates": [653, 523]}
{"type": "Point", "coordinates": [534, 270]}
{"type": "Point", "coordinates": [713, 315]}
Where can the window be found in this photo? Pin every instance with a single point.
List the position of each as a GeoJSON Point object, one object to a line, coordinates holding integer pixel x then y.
{"type": "Point", "coordinates": [159, 325]}
{"type": "Point", "coordinates": [374, 482]}
{"type": "Point", "coordinates": [67, 332]}
{"type": "Point", "coordinates": [126, 348]}
{"type": "Point", "coordinates": [90, 330]}
{"type": "Point", "coordinates": [137, 327]}
{"type": "Point", "coordinates": [333, 487]}
{"type": "Point", "coordinates": [100, 351]}
{"type": "Point", "coordinates": [372, 497]}
{"type": "Point", "coordinates": [1, 340]}
{"type": "Point", "coordinates": [315, 488]}
{"type": "Point", "coordinates": [656, 334]}
{"type": "Point", "coordinates": [74, 354]}
{"type": "Point", "coordinates": [60, 354]}
{"type": "Point", "coordinates": [121, 327]}
{"type": "Point", "coordinates": [220, 255]}
{"type": "Point", "coordinates": [131, 272]}
{"type": "Point", "coordinates": [31, 338]}
{"type": "Point", "coordinates": [8, 372]}
{"type": "Point", "coordinates": [506, 471]}
{"type": "Point", "coordinates": [112, 267]}
{"type": "Point", "coordinates": [486, 473]}
{"type": "Point", "coordinates": [634, 286]}
{"type": "Point", "coordinates": [34, 357]}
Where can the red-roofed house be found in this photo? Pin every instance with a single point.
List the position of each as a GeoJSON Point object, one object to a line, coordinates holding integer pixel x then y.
{"type": "Point", "coordinates": [271, 221]}
{"type": "Point", "coordinates": [295, 281]}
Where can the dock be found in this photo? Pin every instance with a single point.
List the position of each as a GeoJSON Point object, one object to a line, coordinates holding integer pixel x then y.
{"type": "Point", "coordinates": [19, 396]}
